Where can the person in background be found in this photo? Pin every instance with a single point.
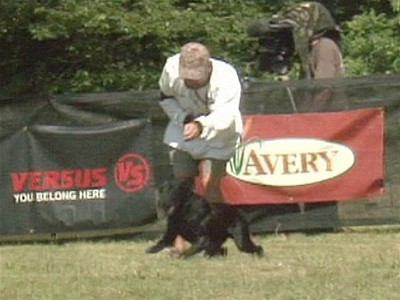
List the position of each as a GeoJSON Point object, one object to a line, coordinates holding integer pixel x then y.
{"type": "Point", "coordinates": [201, 97]}
{"type": "Point", "coordinates": [307, 31]}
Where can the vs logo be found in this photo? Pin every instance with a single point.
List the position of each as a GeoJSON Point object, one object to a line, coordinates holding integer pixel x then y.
{"type": "Point", "coordinates": [132, 172]}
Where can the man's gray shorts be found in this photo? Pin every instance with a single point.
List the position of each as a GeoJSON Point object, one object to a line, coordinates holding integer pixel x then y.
{"type": "Point", "coordinates": [210, 171]}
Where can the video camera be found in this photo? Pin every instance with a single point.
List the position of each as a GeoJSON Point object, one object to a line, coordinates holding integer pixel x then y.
{"type": "Point", "coordinates": [276, 45]}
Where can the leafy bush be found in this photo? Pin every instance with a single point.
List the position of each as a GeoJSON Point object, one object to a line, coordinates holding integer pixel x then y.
{"type": "Point", "coordinates": [373, 44]}
{"type": "Point", "coordinates": [62, 46]}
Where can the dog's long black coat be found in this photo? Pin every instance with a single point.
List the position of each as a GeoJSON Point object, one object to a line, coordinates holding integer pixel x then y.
{"type": "Point", "coordinates": [206, 227]}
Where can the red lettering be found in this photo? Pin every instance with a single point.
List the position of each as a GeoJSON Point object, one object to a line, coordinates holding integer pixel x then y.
{"type": "Point", "coordinates": [63, 180]}
{"type": "Point", "coordinates": [35, 182]}
{"type": "Point", "coordinates": [123, 169]}
{"type": "Point", "coordinates": [137, 175]}
{"type": "Point", "coordinates": [130, 173]}
{"type": "Point", "coordinates": [51, 180]}
{"type": "Point", "coordinates": [82, 178]}
{"type": "Point", "coordinates": [67, 180]}
{"type": "Point", "coordinates": [19, 181]}
{"type": "Point", "coordinates": [99, 177]}
{"type": "Point", "coordinates": [87, 178]}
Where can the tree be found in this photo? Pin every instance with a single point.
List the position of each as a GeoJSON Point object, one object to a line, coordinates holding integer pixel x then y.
{"type": "Point", "coordinates": [372, 42]}
{"type": "Point", "coordinates": [60, 46]}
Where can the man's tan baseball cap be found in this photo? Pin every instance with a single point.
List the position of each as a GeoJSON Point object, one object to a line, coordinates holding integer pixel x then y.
{"type": "Point", "coordinates": [194, 62]}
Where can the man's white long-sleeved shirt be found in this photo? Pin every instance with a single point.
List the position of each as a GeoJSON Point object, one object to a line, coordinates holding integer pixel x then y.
{"type": "Point", "coordinates": [215, 106]}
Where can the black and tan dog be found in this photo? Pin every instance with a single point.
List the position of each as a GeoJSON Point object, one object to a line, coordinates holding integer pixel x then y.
{"type": "Point", "coordinates": [206, 227]}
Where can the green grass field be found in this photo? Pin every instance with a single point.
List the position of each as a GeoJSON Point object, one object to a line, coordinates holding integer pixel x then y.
{"type": "Point", "coordinates": [358, 263]}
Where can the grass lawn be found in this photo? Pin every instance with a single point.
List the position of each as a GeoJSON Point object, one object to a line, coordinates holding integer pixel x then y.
{"type": "Point", "coordinates": [358, 263]}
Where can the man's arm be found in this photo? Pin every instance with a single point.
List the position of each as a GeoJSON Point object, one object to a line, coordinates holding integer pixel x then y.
{"type": "Point", "coordinates": [173, 110]}
{"type": "Point", "coordinates": [327, 60]}
{"type": "Point", "coordinates": [224, 109]}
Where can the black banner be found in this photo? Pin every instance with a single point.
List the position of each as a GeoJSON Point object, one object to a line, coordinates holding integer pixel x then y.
{"type": "Point", "coordinates": [58, 178]}
{"type": "Point", "coordinates": [74, 163]}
